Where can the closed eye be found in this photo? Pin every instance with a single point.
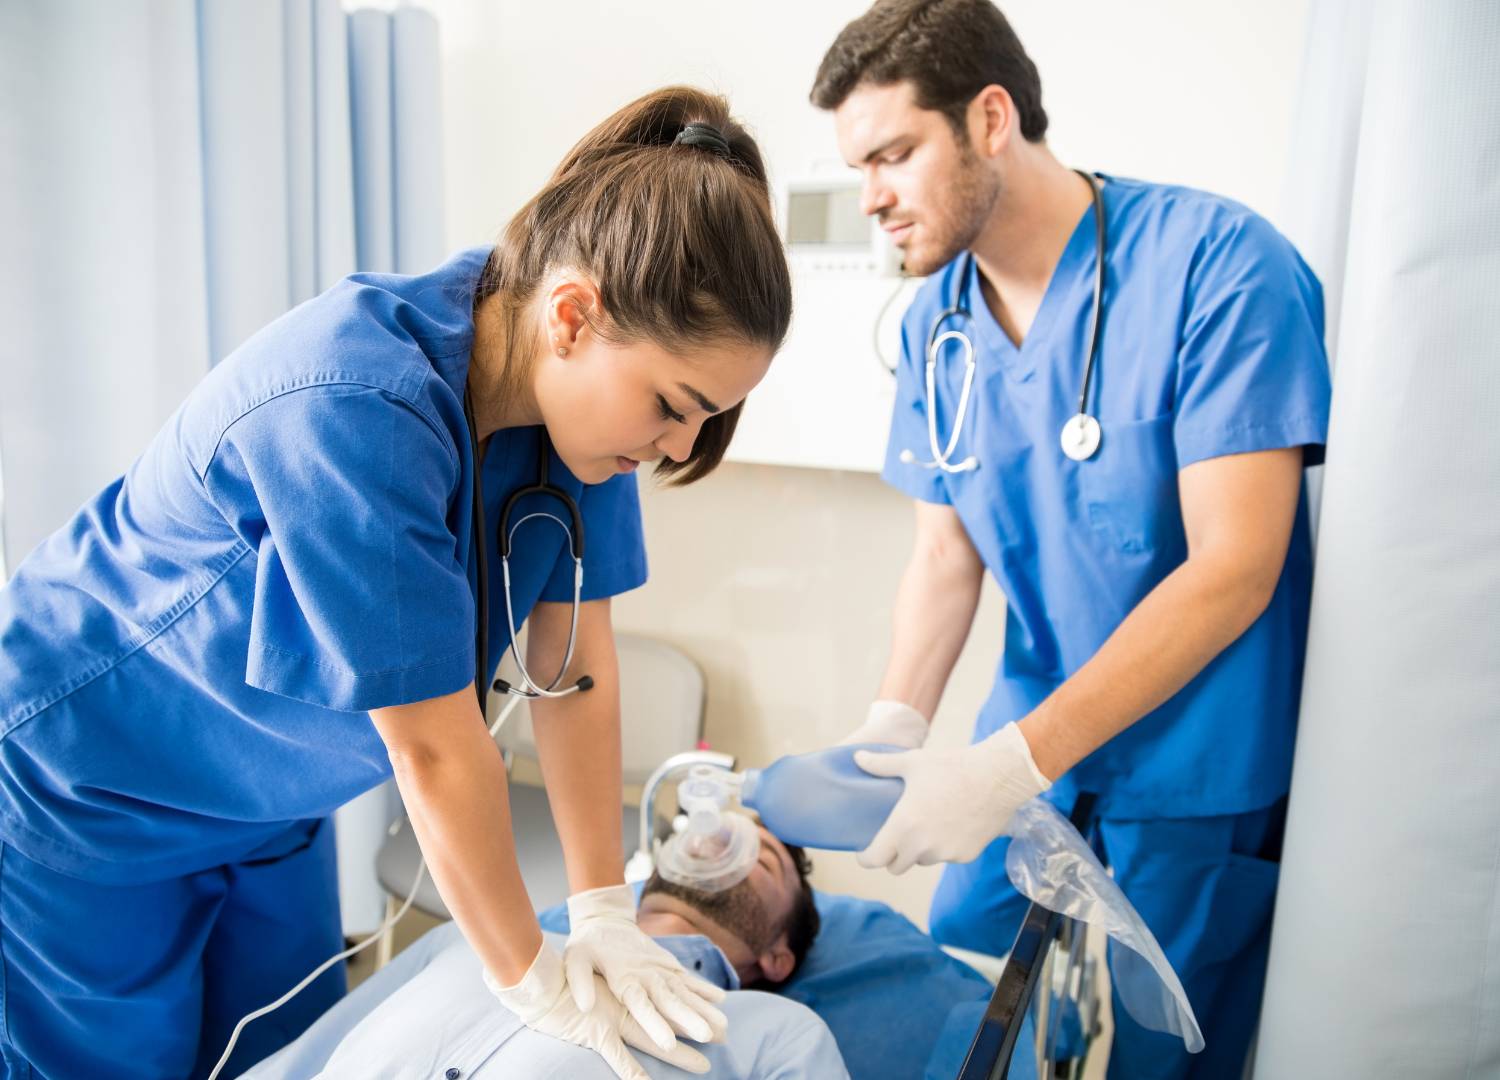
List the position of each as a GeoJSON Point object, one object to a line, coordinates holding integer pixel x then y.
{"type": "Point", "coordinates": [667, 412]}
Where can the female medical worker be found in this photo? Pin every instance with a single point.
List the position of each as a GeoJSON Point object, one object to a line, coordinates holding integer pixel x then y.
{"type": "Point", "coordinates": [273, 610]}
{"type": "Point", "coordinates": [1156, 569]}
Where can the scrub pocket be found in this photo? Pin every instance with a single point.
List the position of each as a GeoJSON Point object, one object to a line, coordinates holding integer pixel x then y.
{"type": "Point", "coordinates": [1129, 487]}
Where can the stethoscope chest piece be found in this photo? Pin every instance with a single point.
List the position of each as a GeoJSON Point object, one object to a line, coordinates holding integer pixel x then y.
{"type": "Point", "coordinates": [1080, 437]}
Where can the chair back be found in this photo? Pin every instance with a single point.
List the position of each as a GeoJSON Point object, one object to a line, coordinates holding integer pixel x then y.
{"type": "Point", "coordinates": [661, 706]}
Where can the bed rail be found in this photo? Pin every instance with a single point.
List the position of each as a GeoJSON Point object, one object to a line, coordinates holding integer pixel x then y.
{"type": "Point", "coordinates": [994, 1043]}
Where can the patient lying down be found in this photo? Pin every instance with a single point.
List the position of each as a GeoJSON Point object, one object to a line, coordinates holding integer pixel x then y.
{"type": "Point", "coordinates": [428, 1014]}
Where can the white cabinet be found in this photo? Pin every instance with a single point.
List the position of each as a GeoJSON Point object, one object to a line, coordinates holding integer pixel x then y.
{"type": "Point", "coordinates": [826, 402]}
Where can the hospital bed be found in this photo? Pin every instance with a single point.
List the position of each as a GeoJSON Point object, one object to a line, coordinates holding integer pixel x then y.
{"type": "Point", "coordinates": [867, 956]}
{"type": "Point", "coordinates": [1047, 985]}
{"type": "Point", "coordinates": [869, 962]}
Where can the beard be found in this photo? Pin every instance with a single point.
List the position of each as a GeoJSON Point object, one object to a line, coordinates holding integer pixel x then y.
{"type": "Point", "coordinates": [956, 218]}
{"type": "Point", "coordinates": [738, 909]}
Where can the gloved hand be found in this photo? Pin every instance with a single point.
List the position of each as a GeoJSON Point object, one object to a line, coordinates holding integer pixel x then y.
{"type": "Point", "coordinates": [542, 1001]}
{"type": "Point", "coordinates": [654, 988]}
{"type": "Point", "coordinates": [955, 802]}
{"type": "Point", "coordinates": [891, 722]}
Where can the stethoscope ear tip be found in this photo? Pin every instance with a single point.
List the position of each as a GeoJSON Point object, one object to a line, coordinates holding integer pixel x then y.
{"type": "Point", "coordinates": [907, 457]}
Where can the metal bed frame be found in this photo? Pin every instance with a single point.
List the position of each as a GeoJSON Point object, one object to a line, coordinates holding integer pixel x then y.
{"type": "Point", "coordinates": [1049, 973]}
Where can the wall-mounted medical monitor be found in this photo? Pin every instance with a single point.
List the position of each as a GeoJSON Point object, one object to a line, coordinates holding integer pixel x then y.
{"type": "Point", "coordinates": [826, 233]}
{"type": "Point", "coordinates": [829, 219]}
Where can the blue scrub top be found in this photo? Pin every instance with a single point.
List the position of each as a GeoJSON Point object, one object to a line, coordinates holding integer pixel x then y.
{"type": "Point", "coordinates": [1212, 345]}
{"type": "Point", "coordinates": [188, 664]}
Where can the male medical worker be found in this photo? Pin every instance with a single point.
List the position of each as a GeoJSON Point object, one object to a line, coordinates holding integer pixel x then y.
{"type": "Point", "coordinates": [1154, 551]}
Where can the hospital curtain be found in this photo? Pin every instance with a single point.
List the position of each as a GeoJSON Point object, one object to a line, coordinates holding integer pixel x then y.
{"type": "Point", "coordinates": [173, 176]}
{"type": "Point", "coordinates": [1385, 952]}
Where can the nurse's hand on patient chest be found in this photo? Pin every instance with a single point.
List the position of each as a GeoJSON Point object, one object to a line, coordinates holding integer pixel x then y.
{"type": "Point", "coordinates": [544, 1003]}
{"type": "Point", "coordinates": [657, 992]}
{"type": "Point", "coordinates": [892, 723]}
{"type": "Point", "coordinates": [955, 802]}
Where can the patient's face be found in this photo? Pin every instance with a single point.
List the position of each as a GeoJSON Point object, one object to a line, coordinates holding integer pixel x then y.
{"type": "Point", "coordinates": [748, 921]}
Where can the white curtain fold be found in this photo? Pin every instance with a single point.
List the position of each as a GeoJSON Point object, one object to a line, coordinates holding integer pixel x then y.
{"type": "Point", "coordinates": [416, 120]}
{"type": "Point", "coordinates": [373, 139]}
{"type": "Point", "coordinates": [1385, 956]}
{"type": "Point", "coordinates": [102, 287]}
{"type": "Point", "coordinates": [173, 176]}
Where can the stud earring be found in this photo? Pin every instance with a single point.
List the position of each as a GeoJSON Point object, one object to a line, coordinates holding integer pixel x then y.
{"type": "Point", "coordinates": [561, 351]}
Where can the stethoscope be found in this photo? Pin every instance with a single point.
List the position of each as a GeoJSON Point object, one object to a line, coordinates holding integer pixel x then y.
{"type": "Point", "coordinates": [529, 688]}
{"type": "Point", "coordinates": [1081, 434]}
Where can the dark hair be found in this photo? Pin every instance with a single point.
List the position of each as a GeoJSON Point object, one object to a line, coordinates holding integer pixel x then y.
{"type": "Point", "coordinates": [949, 50]}
{"type": "Point", "coordinates": [804, 922]}
{"type": "Point", "coordinates": [678, 237]}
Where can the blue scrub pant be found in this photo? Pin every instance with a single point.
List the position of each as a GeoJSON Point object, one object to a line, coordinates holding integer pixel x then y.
{"type": "Point", "coordinates": [148, 980]}
{"type": "Point", "coordinates": [1205, 887]}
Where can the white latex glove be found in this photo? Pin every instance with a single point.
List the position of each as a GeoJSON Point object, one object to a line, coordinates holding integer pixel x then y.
{"type": "Point", "coordinates": [648, 980]}
{"type": "Point", "coordinates": [955, 802]}
{"type": "Point", "coordinates": [542, 1001]}
{"type": "Point", "coordinates": [894, 723]}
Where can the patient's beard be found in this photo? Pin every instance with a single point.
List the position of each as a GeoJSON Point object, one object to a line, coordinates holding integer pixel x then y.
{"type": "Point", "coordinates": [738, 909]}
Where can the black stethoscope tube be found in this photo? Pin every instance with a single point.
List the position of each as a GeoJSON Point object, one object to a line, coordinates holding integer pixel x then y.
{"type": "Point", "coordinates": [1098, 320]}
{"type": "Point", "coordinates": [476, 538]}
{"type": "Point", "coordinates": [543, 487]}
{"type": "Point", "coordinates": [959, 310]}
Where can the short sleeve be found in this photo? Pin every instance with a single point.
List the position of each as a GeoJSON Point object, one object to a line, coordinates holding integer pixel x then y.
{"type": "Point", "coordinates": [614, 548]}
{"type": "Point", "coordinates": [1252, 371]}
{"type": "Point", "coordinates": [909, 419]}
{"type": "Point", "coordinates": [361, 600]}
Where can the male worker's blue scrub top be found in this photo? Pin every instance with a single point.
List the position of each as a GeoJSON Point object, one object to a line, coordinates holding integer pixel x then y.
{"type": "Point", "coordinates": [188, 664]}
{"type": "Point", "coordinates": [1212, 344]}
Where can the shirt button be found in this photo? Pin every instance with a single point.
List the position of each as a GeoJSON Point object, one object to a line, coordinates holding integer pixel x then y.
{"type": "Point", "coordinates": [453, 1074]}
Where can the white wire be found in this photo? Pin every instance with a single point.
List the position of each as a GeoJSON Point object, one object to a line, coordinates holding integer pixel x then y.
{"type": "Point", "coordinates": [888, 366]}
{"type": "Point", "coordinates": [385, 928]}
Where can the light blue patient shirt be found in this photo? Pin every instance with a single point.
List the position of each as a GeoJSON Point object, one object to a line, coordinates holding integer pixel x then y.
{"type": "Point", "coordinates": [429, 1012]}
{"type": "Point", "coordinates": [1212, 344]}
{"type": "Point", "coordinates": [188, 664]}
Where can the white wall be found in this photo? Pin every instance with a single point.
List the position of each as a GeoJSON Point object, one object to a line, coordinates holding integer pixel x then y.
{"type": "Point", "coordinates": [779, 581]}
{"type": "Point", "coordinates": [1181, 90]}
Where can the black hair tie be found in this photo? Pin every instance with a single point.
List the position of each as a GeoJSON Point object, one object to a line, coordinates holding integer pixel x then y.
{"type": "Point", "coordinates": [703, 136]}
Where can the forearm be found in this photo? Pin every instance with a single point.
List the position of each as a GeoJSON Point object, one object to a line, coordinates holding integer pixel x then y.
{"type": "Point", "coordinates": [578, 741]}
{"type": "Point", "coordinates": [1189, 618]}
{"type": "Point", "coordinates": [459, 806]}
{"type": "Point", "coordinates": [935, 604]}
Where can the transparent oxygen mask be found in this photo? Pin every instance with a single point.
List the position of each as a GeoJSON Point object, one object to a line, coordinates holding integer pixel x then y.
{"type": "Point", "coordinates": [712, 848]}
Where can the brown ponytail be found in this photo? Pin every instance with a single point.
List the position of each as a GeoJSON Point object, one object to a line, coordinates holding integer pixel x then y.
{"type": "Point", "coordinates": [679, 238]}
